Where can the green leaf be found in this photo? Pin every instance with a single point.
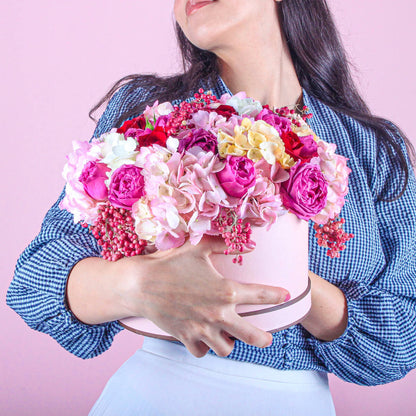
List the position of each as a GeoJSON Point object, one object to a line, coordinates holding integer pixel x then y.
{"type": "Point", "coordinates": [149, 125]}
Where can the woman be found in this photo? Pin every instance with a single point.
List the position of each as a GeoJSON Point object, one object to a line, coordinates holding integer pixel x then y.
{"type": "Point", "coordinates": [361, 326]}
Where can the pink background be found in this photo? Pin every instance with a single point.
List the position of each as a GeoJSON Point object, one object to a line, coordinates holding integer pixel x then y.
{"type": "Point", "coordinates": [58, 59]}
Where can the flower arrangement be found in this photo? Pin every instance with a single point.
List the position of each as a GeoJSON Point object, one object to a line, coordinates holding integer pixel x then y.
{"type": "Point", "coordinates": [210, 166]}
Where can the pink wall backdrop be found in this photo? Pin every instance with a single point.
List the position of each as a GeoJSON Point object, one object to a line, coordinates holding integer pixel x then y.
{"type": "Point", "coordinates": [58, 59]}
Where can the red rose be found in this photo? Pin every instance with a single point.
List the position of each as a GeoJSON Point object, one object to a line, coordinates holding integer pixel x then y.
{"type": "Point", "coordinates": [135, 123]}
{"type": "Point", "coordinates": [223, 110]}
{"type": "Point", "coordinates": [303, 148]}
{"type": "Point", "coordinates": [155, 136]}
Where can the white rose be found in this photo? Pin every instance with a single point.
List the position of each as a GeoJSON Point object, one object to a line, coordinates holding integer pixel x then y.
{"type": "Point", "coordinates": [245, 106]}
{"type": "Point", "coordinates": [118, 150]}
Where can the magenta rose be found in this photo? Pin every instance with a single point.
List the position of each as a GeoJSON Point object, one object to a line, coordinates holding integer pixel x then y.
{"type": "Point", "coordinates": [238, 175]}
{"type": "Point", "coordinates": [310, 147]}
{"type": "Point", "coordinates": [198, 137]}
{"type": "Point", "coordinates": [126, 186]}
{"type": "Point", "coordinates": [281, 124]}
{"type": "Point", "coordinates": [93, 178]}
{"type": "Point", "coordinates": [305, 192]}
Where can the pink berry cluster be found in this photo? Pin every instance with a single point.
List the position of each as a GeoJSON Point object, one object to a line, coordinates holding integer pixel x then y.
{"type": "Point", "coordinates": [183, 112]}
{"type": "Point", "coordinates": [236, 235]}
{"type": "Point", "coordinates": [114, 231]}
{"type": "Point", "coordinates": [332, 235]}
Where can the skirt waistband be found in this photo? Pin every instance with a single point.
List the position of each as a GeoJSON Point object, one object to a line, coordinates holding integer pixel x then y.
{"type": "Point", "coordinates": [177, 352]}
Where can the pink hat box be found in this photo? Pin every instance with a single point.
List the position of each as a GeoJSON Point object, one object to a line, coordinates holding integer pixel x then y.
{"type": "Point", "coordinates": [279, 259]}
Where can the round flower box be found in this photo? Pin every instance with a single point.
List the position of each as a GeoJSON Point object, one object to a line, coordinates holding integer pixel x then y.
{"type": "Point", "coordinates": [280, 259]}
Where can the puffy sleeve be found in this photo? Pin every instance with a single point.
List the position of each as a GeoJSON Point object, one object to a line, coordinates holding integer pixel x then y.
{"type": "Point", "coordinates": [37, 291]}
{"type": "Point", "coordinates": [379, 343]}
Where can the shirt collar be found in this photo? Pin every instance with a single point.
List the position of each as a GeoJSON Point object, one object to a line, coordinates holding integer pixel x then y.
{"type": "Point", "coordinates": [306, 98]}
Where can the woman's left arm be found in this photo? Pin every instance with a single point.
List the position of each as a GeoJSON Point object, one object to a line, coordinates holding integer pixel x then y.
{"type": "Point", "coordinates": [366, 333]}
{"type": "Point", "coordinates": [328, 317]}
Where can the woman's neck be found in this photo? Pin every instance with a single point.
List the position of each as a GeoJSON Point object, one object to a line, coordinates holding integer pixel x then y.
{"type": "Point", "coordinates": [266, 73]}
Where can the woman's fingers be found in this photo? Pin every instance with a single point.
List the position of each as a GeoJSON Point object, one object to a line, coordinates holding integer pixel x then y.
{"type": "Point", "coordinates": [248, 333]}
{"type": "Point", "coordinates": [254, 293]}
{"type": "Point", "coordinates": [197, 348]}
{"type": "Point", "coordinates": [219, 341]}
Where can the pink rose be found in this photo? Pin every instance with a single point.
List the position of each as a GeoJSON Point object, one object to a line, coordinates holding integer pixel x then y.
{"type": "Point", "coordinates": [126, 186]}
{"type": "Point", "coordinates": [305, 192]}
{"type": "Point", "coordinates": [93, 178]}
{"type": "Point", "coordinates": [237, 176]}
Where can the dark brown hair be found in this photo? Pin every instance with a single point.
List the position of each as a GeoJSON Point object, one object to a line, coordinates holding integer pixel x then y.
{"type": "Point", "coordinates": [322, 68]}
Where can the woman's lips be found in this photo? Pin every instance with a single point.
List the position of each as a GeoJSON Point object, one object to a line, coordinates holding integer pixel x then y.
{"type": "Point", "coordinates": [191, 8]}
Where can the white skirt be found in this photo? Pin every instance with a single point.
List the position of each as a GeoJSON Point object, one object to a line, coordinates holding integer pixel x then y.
{"type": "Point", "coordinates": [164, 379]}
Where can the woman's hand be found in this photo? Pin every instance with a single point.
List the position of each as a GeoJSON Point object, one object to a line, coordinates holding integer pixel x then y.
{"type": "Point", "coordinates": [181, 292]}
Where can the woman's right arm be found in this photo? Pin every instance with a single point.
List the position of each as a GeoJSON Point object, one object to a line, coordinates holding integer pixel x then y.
{"type": "Point", "coordinates": [178, 289]}
{"type": "Point", "coordinates": [37, 291]}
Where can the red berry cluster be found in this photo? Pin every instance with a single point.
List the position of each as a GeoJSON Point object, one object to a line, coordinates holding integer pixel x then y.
{"type": "Point", "coordinates": [236, 235]}
{"type": "Point", "coordinates": [114, 231]}
{"type": "Point", "coordinates": [183, 112]}
{"type": "Point", "coordinates": [285, 112]}
{"type": "Point", "coordinates": [332, 235]}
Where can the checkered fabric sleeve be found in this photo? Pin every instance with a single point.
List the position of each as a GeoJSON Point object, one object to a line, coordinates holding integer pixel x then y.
{"type": "Point", "coordinates": [379, 343]}
{"type": "Point", "coordinates": [37, 291]}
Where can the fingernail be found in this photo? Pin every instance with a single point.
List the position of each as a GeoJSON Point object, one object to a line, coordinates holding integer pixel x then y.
{"type": "Point", "coordinates": [287, 297]}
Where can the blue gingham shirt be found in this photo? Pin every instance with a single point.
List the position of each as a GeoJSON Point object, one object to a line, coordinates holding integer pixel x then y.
{"type": "Point", "coordinates": [377, 271]}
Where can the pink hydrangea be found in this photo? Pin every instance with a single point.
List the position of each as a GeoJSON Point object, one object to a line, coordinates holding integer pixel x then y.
{"type": "Point", "coordinates": [335, 170]}
{"type": "Point", "coordinates": [76, 200]}
{"type": "Point", "coordinates": [263, 205]}
{"type": "Point", "coordinates": [188, 184]}
{"type": "Point", "coordinates": [207, 120]}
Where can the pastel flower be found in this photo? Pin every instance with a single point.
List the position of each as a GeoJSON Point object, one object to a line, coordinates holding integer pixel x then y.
{"type": "Point", "coordinates": [118, 150]}
{"type": "Point", "coordinates": [207, 120]}
{"type": "Point", "coordinates": [244, 105]}
{"type": "Point", "coordinates": [76, 200]}
{"type": "Point", "coordinates": [173, 227]}
{"type": "Point", "coordinates": [303, 129]}
{"type": "Point", "coordinates": [262, 205]}
{"type": "Point", "coordinates": [255, 140]}
{"type": "Point", "coordinates": [157, 110]}
{"type": "Point", "coordinates": [146, 225]}
{"type": "Point", "coordinates": [335, 170]}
